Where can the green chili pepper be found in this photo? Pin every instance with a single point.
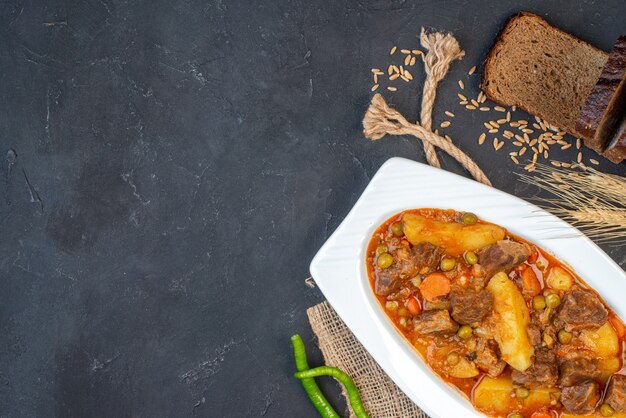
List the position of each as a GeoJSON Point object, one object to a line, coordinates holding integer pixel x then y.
{"type": "Point", "coordinates": [351, 389]}
{"type": "Point", "coordinates": [315, 394]}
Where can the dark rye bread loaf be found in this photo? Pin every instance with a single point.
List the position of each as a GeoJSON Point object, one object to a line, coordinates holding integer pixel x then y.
{"type": "Point", "coordinates": [603, 110]}
{"type": "Point", "coordinates": [542, 70]}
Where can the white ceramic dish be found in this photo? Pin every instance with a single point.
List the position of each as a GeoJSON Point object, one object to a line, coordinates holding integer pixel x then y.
{"type": "Point", "coordinates": [339, 266]}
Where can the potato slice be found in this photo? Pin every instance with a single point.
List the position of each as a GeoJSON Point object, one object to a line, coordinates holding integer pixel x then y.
{"type": "Point", "coordinates": [463, 369]}
{"type": "Point", "coordinates": [608, 366]}
{"type": "Point", "coordinates": [510, 317]}
{"type": "Point", "coordinates": [454, 237]}
{"type": "Point", "coordinates": [541, 397]}
{"type": "Point", "coordinates": [602, 341]}
{"type": "Point", "coordinates": [493, 395]}
{"type": "Point", "coordinates": [559, 278]}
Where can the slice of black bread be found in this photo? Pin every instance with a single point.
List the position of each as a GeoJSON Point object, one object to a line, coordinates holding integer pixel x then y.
{"type": "Point", "coordinates": [616, 150]}
{"type": "Point", "coordinates": [603, 110]}
{"type": "Point", "coordinates": [542, 70]}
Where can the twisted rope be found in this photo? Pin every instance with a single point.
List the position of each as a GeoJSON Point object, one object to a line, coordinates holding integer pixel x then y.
{"type": "Point", "coordinates": [442, 50]}
{"type": "Point", "coordinates": [381, 120]}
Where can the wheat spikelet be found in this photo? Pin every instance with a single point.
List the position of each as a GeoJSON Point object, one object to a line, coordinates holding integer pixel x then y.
{"type": "Point", "coordinates": [592, 201]}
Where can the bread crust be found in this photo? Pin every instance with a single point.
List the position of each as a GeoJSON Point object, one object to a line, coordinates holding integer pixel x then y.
{"type": "Point", "coordinates": [495, 49]}
{"type": "Point", "coordinates": [600, 116]}
{"type": "Point", "coordinates": [617, 150]}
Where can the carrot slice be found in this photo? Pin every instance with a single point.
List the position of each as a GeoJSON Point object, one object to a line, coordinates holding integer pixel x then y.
{"type": "Point", "coordinates": [530, 283]}
{"type": "Point", "coordinates": [435, 285]}
{"type": "Point", "coordinates": [413, 306]}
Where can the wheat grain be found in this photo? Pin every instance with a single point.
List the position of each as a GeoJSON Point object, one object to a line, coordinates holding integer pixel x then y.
{"type": "Point", "coordinates": [393, 50]}
{"type": "Point", "coordinates": [471, 70]}
{"type": "Point", "coordinates": [374, 87]}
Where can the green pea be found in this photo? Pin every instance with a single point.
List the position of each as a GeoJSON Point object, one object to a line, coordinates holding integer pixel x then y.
{"type": "Point", "coordinates": [564, 337]}
{"type": "Point", "coordinates": [516, 415]}
{"type": "Point", "coordinates": [403, 312]}
{"type": "Point", "coordinates": [553, 300]}
{"type": "Point", "coordinates": [453, 358]}
{"type": "Point", "coordinates": [447, 264]}
{"type": "Point", "coordinates": [382, 248]}
{"type": "Point", "coordinates": [521, 392]}
{"type": "Point", "coordinates": [465, 332]}
{"type": "Point", "coordinates": [397, 229]}
{"type": "Point", "coordinates": [539, 302]}
{"type": "Point", "coordinates": [392, 305]}
{"type": "Point", "coordinates": [403, 322]}
{"type": "Point", "coordinates": [385, 260]}
{"type": "Point", "coordinates": [606, 410]}
{"type": "Point", "coordinates": [471, 257]}
{"type": "Point", "coordinates": [469, 218]}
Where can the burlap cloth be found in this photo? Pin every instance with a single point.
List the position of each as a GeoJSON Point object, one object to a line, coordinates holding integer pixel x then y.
{"type": "Point", "coordinates": [380, 396]}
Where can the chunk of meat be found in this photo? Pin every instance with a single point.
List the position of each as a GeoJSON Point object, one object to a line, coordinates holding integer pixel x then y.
{"type": "Point", "coordinates": [543, 373]}
{"type": "Point", "coordinates": [578, 370]}
{"type": "Point", "coordinates": [582, 309]}
{"type": "Point", "coordinates": [470, 306]}
{"type": "Point", "coordinates": [407, 263]}
{"type": "Point", "coordinates": [439, 303]}
{"type": "Point", "coordinates": [436, 321]}
{"type": "Point", "coordinates": [616, 393]}
{"type": "Point", "coordinates": [534, 333]}
{"type": "Point", "coordinates": [581, 399]}
{"type": "Point", "coordinates": [502, 256]}
{"type": "Point", "coordinates": [487, 358]}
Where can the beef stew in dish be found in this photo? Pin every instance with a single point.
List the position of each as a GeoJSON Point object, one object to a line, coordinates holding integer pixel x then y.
{"type": "Point", "coordinates": [506, 323]}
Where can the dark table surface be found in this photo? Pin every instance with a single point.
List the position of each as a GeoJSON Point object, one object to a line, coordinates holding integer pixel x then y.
{"type": "Point", "coordinates": [169, 169]}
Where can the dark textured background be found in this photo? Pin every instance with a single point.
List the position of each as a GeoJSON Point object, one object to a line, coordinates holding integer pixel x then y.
{"type": "Point", "coordinates": [178, 165]}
